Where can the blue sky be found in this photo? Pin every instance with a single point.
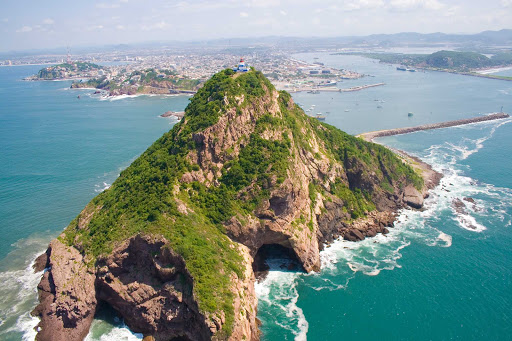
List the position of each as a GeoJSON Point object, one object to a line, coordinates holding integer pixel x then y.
{"type": "Point", "coordinates": [55, 23]}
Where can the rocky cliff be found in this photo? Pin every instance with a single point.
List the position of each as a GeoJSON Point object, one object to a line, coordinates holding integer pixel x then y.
{"type": "Point", "coordinates": [171, 245]}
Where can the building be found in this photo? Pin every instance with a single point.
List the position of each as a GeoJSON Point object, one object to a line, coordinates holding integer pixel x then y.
{"type": "Point", "coordinates": [242, 67]}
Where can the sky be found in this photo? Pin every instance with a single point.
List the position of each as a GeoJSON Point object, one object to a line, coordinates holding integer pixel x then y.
{"type": "Point", "coordinates": [36, 24]}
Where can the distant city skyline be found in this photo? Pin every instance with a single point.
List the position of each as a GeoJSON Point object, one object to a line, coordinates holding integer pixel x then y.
{"type": "Point", "coordinates": [60, 23]}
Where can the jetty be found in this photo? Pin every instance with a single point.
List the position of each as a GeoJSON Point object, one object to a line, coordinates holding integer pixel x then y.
{"type": "Point", "coordinates": [178, 114]}
{"type": "Point", "coordinates": [361, 87]}
{"type": "Point", "coordinates": [315, 89]}
{"type": "Point", "coordinates": [398, 131]}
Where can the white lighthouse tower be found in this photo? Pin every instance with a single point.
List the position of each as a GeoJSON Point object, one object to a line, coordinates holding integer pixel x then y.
{"type": "Point", "coordinates": [242, 67]}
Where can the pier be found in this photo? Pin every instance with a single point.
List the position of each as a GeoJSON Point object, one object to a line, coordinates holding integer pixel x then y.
{"type": "Point", "coordinates": [398, 131]}
{"type": "Point", "coordinates": [314, 90]}
{"type": "Point", "coordinates": [333, 89]}
{"type": "Point", "coordinates": [357, 88]}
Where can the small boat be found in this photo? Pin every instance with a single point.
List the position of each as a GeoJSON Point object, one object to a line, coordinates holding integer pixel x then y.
{"type": "Point", "coordinates": [346, 110]}
{"type": "Point", "coordinates": [401, 68]}
{"type": "Point", "coordinates": [320, 117]}
{"type": "Point", "coordinates": [329, 83]}
{"type": "Point", "coordinates": [410, 114]}
{"type": "Point", "coordinates": [379, 106]}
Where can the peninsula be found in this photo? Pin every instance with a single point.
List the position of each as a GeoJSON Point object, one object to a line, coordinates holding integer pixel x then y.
{"type": "Point", "coordinates": [172, 244]}
{"type": "Point", "coordinates": [148, 81]}
{"type": "Point", "coordinates": [464, 63]}
{"type": "Point", "coordinates": [70, 70]}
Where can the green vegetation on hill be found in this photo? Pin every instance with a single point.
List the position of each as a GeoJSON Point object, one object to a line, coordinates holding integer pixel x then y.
{"type": "Point", "coordinates": [142, 81]}
{"type": "Point", "coordinates": [445, 60]}
{"type": "Point", "coordinates": [149, 196]}
{"type": "Point", "coordinates": [66, 70]}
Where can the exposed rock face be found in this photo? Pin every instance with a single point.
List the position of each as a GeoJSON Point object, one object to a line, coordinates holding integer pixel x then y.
{"type": "Point", "coordinates": [413, 197]}
{"type": "Point", "coordinates": [330, 186]}
{"type": "Point", "coordinates": [148, 284]}
{"type": "Point", "coordinates": [66, 294]}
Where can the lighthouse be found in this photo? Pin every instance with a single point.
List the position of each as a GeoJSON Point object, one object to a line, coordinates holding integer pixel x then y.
{"type": "Point", "coordinates": [242, 67]}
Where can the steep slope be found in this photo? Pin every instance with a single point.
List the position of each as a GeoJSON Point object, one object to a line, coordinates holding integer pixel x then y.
{"type": "Point", "coordinates": [170, 245]}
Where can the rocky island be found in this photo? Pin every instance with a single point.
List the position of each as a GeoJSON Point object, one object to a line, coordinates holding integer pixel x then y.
{"type": "Point", "coordinates": [171, 245]}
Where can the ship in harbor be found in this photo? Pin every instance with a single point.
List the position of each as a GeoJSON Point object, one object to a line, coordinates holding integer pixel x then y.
{"type": "Point", "coordinates": [403, 68]}
{"type": "Point", "coordinates": [320, 117]}
{"type": "Point", "coordinates": [329, 83]}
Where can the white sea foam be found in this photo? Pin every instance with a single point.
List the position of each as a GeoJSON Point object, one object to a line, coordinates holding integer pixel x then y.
{"type": "Point", "coordinates": [18, 292]}
{"type": "Point", "coordinates": [98, 188]}
{"type": "Point", "coordinates": [447, 239]}
{"type": "Point", "coordinates": [278, 292]}
{"type": "Point", "coordinates": [118, 333]}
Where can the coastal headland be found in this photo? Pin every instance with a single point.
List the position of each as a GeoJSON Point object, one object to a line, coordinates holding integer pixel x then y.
{"type": "Point", "coordinates": [173, 244]}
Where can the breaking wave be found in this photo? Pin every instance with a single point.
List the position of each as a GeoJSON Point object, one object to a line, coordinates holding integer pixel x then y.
{"type": "Point", "coordinates": [470, 204]}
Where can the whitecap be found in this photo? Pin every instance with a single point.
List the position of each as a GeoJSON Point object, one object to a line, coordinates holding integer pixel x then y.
{"type": "Point", "coordinates": [18, 295]}
{"type": "Point", "coordinates": [117, 333]}
{"type": "Point", "coordinates": [98, 188]}
{"type": "Point", "coordinates": [278, 293]}
{"type": "Point", "coordinates": [447, 239]}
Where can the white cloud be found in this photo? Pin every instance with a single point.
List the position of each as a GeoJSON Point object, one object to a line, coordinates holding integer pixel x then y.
{"type": "Point", "coordinates": [407, 5]}
{"type": "Point", "coordinates": [283, 12]}
{"type": "Point", "coordinates": [506, 3]}
{"type": "Point", "coordinates": [24, 29]}
{"type": "Point", "coordinates": [263, 3]}
{"type": "Point", "coordinates": [48, 21]}
{"type": "Point", "coordinates": [5, 20]}
{"type": "Point", "coordinates": [363, 4]}
{"type": "Point", "coordinates": [125, 1]}
{"type": "Point", "coordinates": [244, 14]}
{"type": "Point", "coordinates": [95, 27]}
{"type": "Point", "coordinates": [157, 26]}
{"type": "Point", "coordinates": [120, 27]}
{"type": "Point", "coordinates": [103, 5]}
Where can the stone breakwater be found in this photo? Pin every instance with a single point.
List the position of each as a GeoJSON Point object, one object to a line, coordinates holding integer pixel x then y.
{"type": "Point", "coordinates": [398, 131]}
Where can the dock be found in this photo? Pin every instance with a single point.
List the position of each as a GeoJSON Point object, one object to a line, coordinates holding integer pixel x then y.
{"type": "Point", "coordinates": [332, 88]}
{"type": "Point", "coordinates": [316, 89]}
{"type": "Point", "coordinates": [361, 87]}
{"type": "Point", "coordinates": [398, 131]}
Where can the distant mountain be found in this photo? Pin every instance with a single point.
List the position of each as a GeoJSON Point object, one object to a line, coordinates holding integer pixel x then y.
{"type": "Point", "coordinates": [483, 40]}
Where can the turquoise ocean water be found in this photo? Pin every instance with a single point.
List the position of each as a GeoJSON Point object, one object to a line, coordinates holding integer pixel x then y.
{"type": "Point", "coordinates": [438, 275]}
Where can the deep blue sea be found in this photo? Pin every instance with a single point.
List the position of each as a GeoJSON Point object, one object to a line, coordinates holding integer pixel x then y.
{"type": "Point", "coordinates": [438, 275]}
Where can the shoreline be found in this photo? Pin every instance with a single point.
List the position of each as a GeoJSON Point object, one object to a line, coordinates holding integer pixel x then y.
{"type": "Point", "coordinates": [492, 70]}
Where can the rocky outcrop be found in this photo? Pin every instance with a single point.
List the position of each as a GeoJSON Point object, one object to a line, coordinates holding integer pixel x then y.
{"type": "Point", "coordinates": [148, 284]}
{"type": "Point", "coordinates": [66, 295]}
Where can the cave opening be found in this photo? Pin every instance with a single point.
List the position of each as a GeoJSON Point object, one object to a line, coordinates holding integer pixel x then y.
{"type": "Point", "coordinates": [275, 257]}
{"type": "Point", "coordinates": [108, 316]}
